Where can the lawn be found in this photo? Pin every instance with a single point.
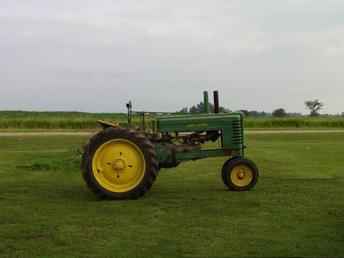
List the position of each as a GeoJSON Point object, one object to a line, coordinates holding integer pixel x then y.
{"type": "Point", "coordinates": [296, 210]}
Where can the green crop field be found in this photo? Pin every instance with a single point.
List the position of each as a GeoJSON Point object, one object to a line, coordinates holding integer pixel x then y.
{"type": "Point", "coordinates": [54, 120]}
{"type": "Point", "coordinates": [77, 120]}
{"type": "Point", "coordinates": [296, 210]}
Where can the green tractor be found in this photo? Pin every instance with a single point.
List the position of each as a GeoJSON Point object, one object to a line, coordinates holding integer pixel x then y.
{"type": "Point", "coordinates": [122, 162]}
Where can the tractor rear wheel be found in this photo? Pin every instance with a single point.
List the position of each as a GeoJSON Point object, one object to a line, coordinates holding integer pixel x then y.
{"type": "Point", "coordinates": [119, 164]}
{"type": "Point", "coordinates": [240, 174]}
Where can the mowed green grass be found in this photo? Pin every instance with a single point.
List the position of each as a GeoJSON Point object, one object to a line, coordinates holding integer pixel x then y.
{"type": "Point", "coordinates": [296, 210]}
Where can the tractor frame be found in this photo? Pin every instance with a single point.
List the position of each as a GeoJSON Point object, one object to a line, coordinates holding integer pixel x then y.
{"type": "Point", "coordinates": [173, 139]}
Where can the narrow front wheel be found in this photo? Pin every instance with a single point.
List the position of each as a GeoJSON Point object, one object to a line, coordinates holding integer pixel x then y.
{"type": "Point", "coordinates": [240, 174]}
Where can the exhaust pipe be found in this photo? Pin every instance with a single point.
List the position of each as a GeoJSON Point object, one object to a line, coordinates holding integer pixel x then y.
{"type": "Point", "coordinates": [216, 102]}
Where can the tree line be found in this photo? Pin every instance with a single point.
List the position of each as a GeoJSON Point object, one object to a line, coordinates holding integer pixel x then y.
{"type": "Point", "coordinates": [314, 107]}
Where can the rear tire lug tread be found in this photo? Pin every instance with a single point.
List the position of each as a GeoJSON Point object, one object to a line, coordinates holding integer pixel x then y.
{"type": "Point", "coordinates": [140, 140]}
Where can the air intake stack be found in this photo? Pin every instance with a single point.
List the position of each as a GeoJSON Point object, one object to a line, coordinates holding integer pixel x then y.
{"type": "Point", "coordinates": [206, 101]}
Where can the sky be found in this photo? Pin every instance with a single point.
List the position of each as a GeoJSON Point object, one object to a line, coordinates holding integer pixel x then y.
{"type": "Point", "coordinates": [86, 55]}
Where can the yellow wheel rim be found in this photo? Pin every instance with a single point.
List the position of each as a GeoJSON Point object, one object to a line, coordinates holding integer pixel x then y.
{"type": "Point", "coordinates": [119, 165]}
{"type": "Point", "coordinates": [241, 175]}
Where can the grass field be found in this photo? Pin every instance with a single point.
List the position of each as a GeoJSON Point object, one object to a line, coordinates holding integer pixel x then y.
{"type": "Point", "coordinates": [297, 209]}
{"type": "Point", "coordinates": [76, 120]}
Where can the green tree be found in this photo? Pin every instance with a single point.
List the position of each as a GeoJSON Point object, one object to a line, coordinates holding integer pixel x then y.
{"type": "Point", "coordinates": [199, 108]}
{"type": "Point", "coordinates": [184, 110]}
{"type": "Point", "coordinates": [314, 106]}
{"type": "Point", "coordinates": [280, 112]}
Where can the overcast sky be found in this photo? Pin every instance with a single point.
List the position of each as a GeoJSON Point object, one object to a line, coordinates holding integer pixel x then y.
{"type": "Point", "coordinates": [88, 55]}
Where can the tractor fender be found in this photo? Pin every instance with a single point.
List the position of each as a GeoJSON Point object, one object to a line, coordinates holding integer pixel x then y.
{"type": "Point", "coordinates": [106, 124]}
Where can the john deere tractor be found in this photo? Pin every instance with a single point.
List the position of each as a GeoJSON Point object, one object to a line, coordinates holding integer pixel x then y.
{"type": "Point", "coordinates": [122, 162]}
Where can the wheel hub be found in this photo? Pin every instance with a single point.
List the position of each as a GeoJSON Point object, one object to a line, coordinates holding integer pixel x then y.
{"type": "Point", "coordinates": [241, 174]}
{"type": "Point", "coordinates": [119, 165]}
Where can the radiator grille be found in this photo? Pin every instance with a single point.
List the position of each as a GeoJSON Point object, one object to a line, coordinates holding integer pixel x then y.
{"type": "Point", "coordinates": [237, 132]}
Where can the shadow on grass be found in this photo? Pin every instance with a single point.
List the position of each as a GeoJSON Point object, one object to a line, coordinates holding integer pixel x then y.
{"type": "Point", "coordinates": [74, 189]}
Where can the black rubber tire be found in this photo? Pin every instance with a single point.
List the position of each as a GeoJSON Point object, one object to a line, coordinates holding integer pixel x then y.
{"type": "Point", "coordinates": [147, 148]}
{"type": "Point", "coordinates": [228, 168]}
{"type": "Point", "coordinates": [223, 172]}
